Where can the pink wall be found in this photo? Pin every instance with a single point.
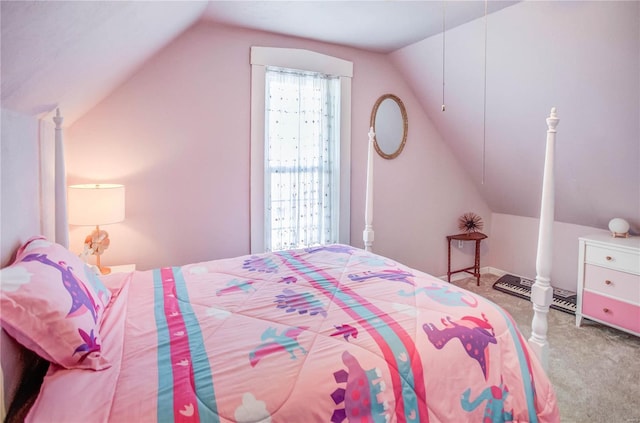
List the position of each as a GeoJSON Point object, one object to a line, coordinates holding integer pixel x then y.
{"type": "Point", "coordinates": [20, 216]}
{"type": "Point", "coordinates": [177, 135]}
{"type": "Point", "coordinates": [515, 242]}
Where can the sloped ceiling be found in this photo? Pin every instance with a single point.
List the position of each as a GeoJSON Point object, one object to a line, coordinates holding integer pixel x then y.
{"type": "Point", "coordinates": [581, 57]}
{"type": "Point", "coordinates": [380, 26]}
{"type": "Point", "coordinates": [73, 53]}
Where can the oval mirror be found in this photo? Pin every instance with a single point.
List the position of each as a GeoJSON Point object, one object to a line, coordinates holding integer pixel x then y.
{"type": "Point", "coordinates": [389, 122]}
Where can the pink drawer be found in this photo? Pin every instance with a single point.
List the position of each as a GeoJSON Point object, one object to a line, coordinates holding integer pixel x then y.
{"type": "Point", "coordinates": [613, 283]}
{"type": "Point", "coordinates": [611, 311]}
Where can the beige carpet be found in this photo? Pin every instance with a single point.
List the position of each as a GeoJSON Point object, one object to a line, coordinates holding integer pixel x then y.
{"type": "Point", "coordinates": [595, 370]}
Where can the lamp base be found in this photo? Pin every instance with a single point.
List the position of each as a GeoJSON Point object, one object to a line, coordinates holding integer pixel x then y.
{"type": "Point", "coordinates": [105, 270]}
{"type": "Point", "coordinates": [97, 242]}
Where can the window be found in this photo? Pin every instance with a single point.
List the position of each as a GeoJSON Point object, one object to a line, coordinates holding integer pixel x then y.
{"type": "Point", "coordinates": [302, 172]}
{"type": "Point", "coordinates": [300, 149]}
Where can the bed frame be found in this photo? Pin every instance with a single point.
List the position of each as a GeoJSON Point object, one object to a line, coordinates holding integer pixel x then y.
{"type": "Point", "coordinates": [39, 199]}
{"type": "Point", "coordinates": [21, 370]}
{"type": "Point", "coordinates": [541, 291]}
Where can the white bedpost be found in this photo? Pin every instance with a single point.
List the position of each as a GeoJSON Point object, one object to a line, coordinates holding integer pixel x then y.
{"type": "Point", "coordinates": [62, 228]}
{"type": "Point", "coordinates": [367, 234]}
{"type": "Point", "coordinates": [542, 291]}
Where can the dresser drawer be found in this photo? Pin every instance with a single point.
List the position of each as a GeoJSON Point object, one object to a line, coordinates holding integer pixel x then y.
{"type": "Point", "coordinates": [612, 258]}
{"type": "Point", "coordinates": [611, 311]}
{"type": "Point", "coordinates": [625, 286]}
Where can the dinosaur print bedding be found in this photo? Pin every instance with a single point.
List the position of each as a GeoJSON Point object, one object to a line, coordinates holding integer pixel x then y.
{"type": "Point", "coordinates": [327, 334]}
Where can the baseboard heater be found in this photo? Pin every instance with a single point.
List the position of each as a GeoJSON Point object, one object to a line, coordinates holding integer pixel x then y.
{"type": "Point", "coordinates": [563, 300]}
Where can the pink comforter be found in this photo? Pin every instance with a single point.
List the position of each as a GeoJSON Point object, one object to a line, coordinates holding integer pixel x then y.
{"type": "Point", "coordinates": [328, 334]}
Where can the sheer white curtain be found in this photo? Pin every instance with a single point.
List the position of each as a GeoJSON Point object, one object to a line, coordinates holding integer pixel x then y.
{"type": "Point", "coordinates": [302, 166]}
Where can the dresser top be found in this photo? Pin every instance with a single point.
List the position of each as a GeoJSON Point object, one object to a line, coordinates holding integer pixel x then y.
{"type": "Point", "coordinates": [607, 238]}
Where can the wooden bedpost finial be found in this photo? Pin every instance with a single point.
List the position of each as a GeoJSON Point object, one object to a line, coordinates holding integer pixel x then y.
{"type": "Point", "coordinates": [552, 120]}
{"type": "Point", "coordinates": [371, 133]}
{"type": "Point", "coordinates": [57, 119]}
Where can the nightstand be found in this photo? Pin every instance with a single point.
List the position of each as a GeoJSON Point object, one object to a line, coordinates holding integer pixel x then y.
{"type": "Point", "coordinates": [123, 268]}
{"type": "Point", "coordinates": [472, 270]}
{"type": "Point", "coordinates": [609, 281]}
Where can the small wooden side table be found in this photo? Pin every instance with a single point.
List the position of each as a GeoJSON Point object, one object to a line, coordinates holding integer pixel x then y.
{"type": "Point", "coordinates": [473, 270]}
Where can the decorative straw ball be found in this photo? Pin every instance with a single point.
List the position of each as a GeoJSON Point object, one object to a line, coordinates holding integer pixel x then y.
{"type": "Point", "coordinates": [619, 227]}
{"type": "Point", "coordinates": [470, 222]}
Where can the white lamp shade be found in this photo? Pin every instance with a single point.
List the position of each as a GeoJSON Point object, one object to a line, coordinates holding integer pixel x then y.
{"type": "Point", "coordinates": [95, 204]}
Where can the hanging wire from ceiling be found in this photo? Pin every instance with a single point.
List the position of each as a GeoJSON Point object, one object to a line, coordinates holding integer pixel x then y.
{"type": "Point", "coordinates": [484, 110]}
{"type": "Point", "coordinates": [444, 9]}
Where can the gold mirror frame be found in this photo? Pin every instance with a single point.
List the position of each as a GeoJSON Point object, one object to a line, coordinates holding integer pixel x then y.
{"type": "Point", "coordinates": [405, 124]}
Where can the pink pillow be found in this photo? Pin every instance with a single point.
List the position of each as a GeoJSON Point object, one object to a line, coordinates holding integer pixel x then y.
{"type": "Point", "coordinates": [53, 303]}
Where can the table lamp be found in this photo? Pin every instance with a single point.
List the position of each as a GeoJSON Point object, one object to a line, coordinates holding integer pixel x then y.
{"type": "Point", "coordinates": [96, 204]}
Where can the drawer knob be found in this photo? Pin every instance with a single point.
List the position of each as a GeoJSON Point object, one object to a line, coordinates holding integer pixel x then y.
{"type": "Point", "coordinates": [609, 258]}
{"type": "Point", "coordinates": [606, 310]}
{"type": "Point", "coordinates": [607, 282]}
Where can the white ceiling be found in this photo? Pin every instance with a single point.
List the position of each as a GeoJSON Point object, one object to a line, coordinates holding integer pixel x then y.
{"type": "Point", "coordinates": [73, 53]}
{"type": "Point", "coordinates": [381, 26]}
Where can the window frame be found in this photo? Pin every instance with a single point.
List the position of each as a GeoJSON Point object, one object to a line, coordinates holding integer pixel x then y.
{"type": "Point", "coordinates": [304, 60]}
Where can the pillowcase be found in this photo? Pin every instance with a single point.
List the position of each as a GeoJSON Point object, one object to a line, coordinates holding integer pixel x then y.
{"type": "Point", "coordinates": [53, 303]}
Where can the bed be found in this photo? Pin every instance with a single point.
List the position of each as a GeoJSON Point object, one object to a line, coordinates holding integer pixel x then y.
{"type": "Point", "coordinates": [330, 333]}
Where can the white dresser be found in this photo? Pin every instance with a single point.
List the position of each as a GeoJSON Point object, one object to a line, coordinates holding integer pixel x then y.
{"type": "Point", "coordinates": [609, 281]}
